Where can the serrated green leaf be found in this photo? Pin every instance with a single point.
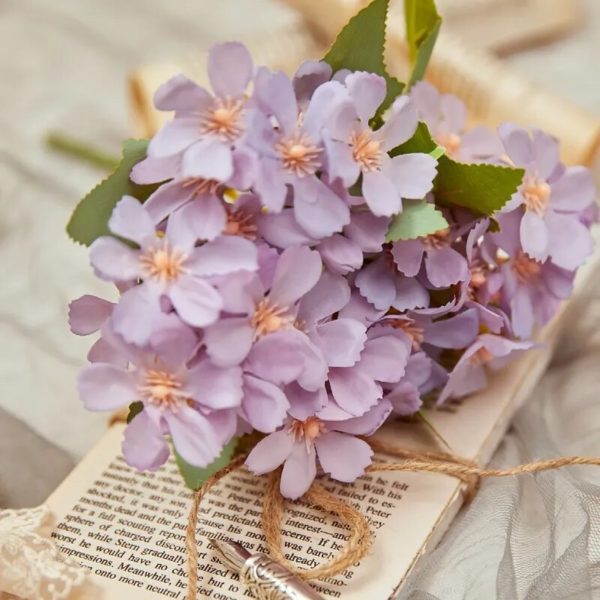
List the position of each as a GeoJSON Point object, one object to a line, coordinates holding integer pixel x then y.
{"type": "Point", "coordinates": [480, 187]}
{"type": "Point", "coordinates": [417, 219]}
{"type": "Point", "coordinates": [423, 24]}
{"type": "Point", "coordinates": [360, 46]}
{"type": "Point", "coordinates": [135, 408]}
{"type": "Point", "coordinates": [90, 218]}
{"type": "Point", "coordinates": [194, 477]}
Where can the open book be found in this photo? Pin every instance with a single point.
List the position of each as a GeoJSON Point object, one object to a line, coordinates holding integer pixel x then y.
{"type": "Point", "coordinates": [129, 527]}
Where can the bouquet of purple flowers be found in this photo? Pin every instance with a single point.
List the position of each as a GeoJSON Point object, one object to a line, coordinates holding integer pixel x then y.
{"type": "Point", "coordinates": [304, 257]}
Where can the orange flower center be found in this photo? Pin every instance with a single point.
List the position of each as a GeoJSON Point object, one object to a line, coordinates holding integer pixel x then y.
{"type": "Point", "coordinates": [308, 430]}
{"type": "Point", "coordinates": [224, 119]}
{"type": "Point", "coordinates": [202, 186]}
{"type": "Point", "coordinates": [366, 150]}
{"type": "Point", "coordinates": [451, 142]}
{"type": "Point", "coordinates": [163, 390]}
{"type": "Point", "coordinates": [412, 330]}
{"type": "Point", "coordinates": [269, 318]}
{"type": "Point", "coordinates": [299, 155]}
{"type": "Point", "coordinates": [537, 195]}
{"type": "Point", "coordinates": [240, 223]}
{"type": "Point", "coordinates": [163, 263]}
{"type": "Point", "coordinates": [525, 268]}
{"type": "Point", "coordinates": [482, 356]}
{"type": "Point", "coordinates": [437, 240]}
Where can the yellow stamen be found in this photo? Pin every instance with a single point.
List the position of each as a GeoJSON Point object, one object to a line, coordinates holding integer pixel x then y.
{"type": "Point", "coordinates": [269, 318]}
{"type": "Point", "coordinates": [163, 390]}
{"type": "Point", "coordinates": [437, 240]}
{"type": "Point", "coordinates": [202, 186]}
{"type": "Point", "coordinates": [482, 356]}
{"type": "Point", "coordinates": [525, 268]}
{"type": "Point", "coordinates": [308, 430]}
{"type": "Point", "coordinates": [163, 263]}
{"type": "Point", "coordinates": [451, 142]}
{"type": "Point", "coordinates": [241, 224]}
{"type": "Point", "coordinates": [224, 119]}
{"type": "Point", "coordinates": [366, 150]}
{"type": "Point", "coordinates": [537, 195]}
{"type": "Point", "coordinates": [412, 330]}
{"type": "Point", "coordinates": [299, 155]}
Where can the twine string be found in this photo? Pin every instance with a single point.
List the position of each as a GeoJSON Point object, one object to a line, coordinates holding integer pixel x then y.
{"type": "Point", "coordinates": [359, 538]}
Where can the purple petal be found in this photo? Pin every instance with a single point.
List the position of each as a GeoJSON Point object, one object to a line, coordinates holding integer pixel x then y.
{"type": "Point", "coordinates": [227, 254]}
{"type": "Point", "coordinates": [175, 136]}
{"type": "Point", "coordinates": [104, 352]}
{"type": "Point", "coordinates": [405, 398]}
{"type": "Point", "coordinates": [340, 254]}
{"type": "Point", "coordinates": [180, 234]}
{"type": "Point", "coordinates": [130, 220]}
{"type": "Point", "coordinates": [522, 313]}
{"type": "Point", "coordinates": [275, 94]}
{"type": "Point", "coordinates": [445, 267]}
{"type": "Point", "coordinates": [172, 340]}
{"type": "Point", "coordinates": [196, 301]}
{"type": "Point", "coordinates": [367, 230]}
{"type": "Point", "coordinates": [309, 76]}
{"type": "Point", "coordinates": [547, 155]}
{"type": "Point", "coordinates": [478, 144]}
{"type": "Point", "coordinates": [376, 283]}
{"type": "Point", "coordinates": [112, 260]}
{"type": "Point", "coordinates": [366, 424]}
{"type": "Point", "coordinates": [517, 143]}
{"type": "Point", "coordinates": [384, 358]}
{"type": "Point", "coordinates": [410, 294]}
{"type": "Point", "coordinates": [412, 174]}
{"type": "Point", "coordinates": [400, 125]}
{"type": "Point", "coordinates": [228, 341]}
{"type": "Point", "coordinates": [454, 113]}
{"type": "Point", "coordinates": [270, 186]}
{"type": "Point", "coordinates": [297, 272]}
{"type": "Point", "coordinates": [534, 236]}
{"type": "Point", "coordinates": [230, 69]}
{"type": "Point", "coordinates": [270, 452]}
{"type": "Point", "coordinates": [135, 314]}
{"type": "Point", "coordinates": [323, 104]}
{"type": "Point", "coordinates": [342, 341]}
{"type": "Point", "coordinates": [299, 471]}
{"type": "Point", "coordinates": [303, 403]}
{"type": "Point", "coordinates": [143, 446]}
{"type": "Point", "coordinates": [209, 158]}
{"type": "Point", "coordinates": [574, 191]}
{"type": "Point", "coordinates": [456, 332]}
{"type": "Point", "coordinates": [276, 357]}
{"type": "Point", "coordinates": [87, 313]}
{"type": "Point", "coordinates": [380, 194]}
{"type": "Point", "coordinates": [206, 216]}
{"type": "Point", "coordinates": [354, 389]}
{"type": "Point", "coordinates": [361, 309]}
{"type": "Point", "coordinates": [265, 405]}
{"type": "Point", "coordinates": [318, 209]}
{"type": "Point", "coordinates": [193, 436]}
{"type": "Point", "coordinates": [105, 387]}
{"type": "Point", "coordinates": [328, 296]}
{"type": "Point", "coordinates": [181, 94]}
{"type": "Point", "coordinates": [367, 91]}
{"type": "Point", "coordinates": [282, 230]}
{"type": "Point", "coordinates": [342, 456]}
{"type": "Point", "coordinates": [314, 374]}
{"type": "Point", "coordinates": [166, 199]}
{"type": "Point", "coordinates": [571, 241]}
{"type": "Point", "coordinates": [408, 255]}
{"type": "Point", "coordinates": [427, 100]}
{"type": "Point", "coordinates": [155, 170]}
{"type": "Point", "coordinates": [215, 387]}
{"type": "Point", "coordinates": [340, 162]}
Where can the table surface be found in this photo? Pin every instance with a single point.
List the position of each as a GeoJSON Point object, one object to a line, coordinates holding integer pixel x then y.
{"type": "Point", "coordinates": [64, 68]}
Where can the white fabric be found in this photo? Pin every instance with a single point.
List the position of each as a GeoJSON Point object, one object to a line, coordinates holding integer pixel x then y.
{"type": "Point", "coordinates": [31, 566]}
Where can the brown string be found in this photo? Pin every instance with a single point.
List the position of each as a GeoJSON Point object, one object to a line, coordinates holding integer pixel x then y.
{"type": "Point", "coordinates": [359, 539]}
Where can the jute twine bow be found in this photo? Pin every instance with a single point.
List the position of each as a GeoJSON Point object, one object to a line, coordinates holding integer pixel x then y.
{"type": "Point", "coordinates": [359, 537]}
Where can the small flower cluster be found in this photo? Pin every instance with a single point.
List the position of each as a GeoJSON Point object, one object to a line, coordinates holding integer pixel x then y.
{"type": "Point", "coordinates": [258, 291]}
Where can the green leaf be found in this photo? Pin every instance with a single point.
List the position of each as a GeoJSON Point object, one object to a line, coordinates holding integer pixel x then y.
{"type": "Point", "coordinates": [194, 477]}
{"type": "Point", "coordinates": [135, 408]}
{"type": "Point", "coordinates": [90, 218]}
{"type": "Point", "coordinates": [423, 24]}
{"type": "Point", "coordinates": [482, 188]}
{"type": "Point", "coordinates": [417, 219]}
{"type": "Point", "coordinates": [360, 46]}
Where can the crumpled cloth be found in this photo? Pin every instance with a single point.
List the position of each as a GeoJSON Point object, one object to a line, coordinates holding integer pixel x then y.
{"type": "Point", "coordinates": [31, 565]}
{"type": "Point", "coordinates": [534, 536]}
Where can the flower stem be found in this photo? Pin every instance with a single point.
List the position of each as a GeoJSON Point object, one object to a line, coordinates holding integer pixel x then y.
{"type": "Point", "coordinates": [81, 150]}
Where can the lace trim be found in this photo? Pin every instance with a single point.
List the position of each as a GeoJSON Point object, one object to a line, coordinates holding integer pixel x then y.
{"type": "Point", "coordinates": [31, 565]}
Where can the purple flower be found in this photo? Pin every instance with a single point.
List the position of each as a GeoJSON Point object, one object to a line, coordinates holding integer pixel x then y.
{"type": "Point", "coordinates": [292, 153]}
{"type": "Point", "coordinates": [206, 128]}
{"type": "Point", "coordinates": [488, 352]}
{"type": "Point", "coordinates": [328, 436]}
{"type": "Point", "coordinates": [405, 396]}
{"type": "Point", "coordinates": [551, 197]}
{"type": "Point", "coordinates": [169, 266]}
{"type": "Point", "coordinates": [355, 149]}
{"type": "Point", "coordinates": [268, 310]}
{"type": "Point", "coordinates": [194, 405]}
{"type": "Point", "coordinates": [446, 117]}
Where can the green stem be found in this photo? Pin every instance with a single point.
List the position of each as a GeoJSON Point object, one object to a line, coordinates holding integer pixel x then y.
{"type": "Point", "coordinates": [82, 151]}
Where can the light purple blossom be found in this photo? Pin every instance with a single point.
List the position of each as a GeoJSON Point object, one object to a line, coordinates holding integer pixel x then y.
{"type": "Point", "coordinates": [446, 118]}
{"type": "Point", "coordinates": [354, 149]}
{"type": "Point", "coordinates": [170, 267]}
{"type": "Point", "coordinates": [328, 436]}
{"type": "Point", "coordinates": [551, 197]}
